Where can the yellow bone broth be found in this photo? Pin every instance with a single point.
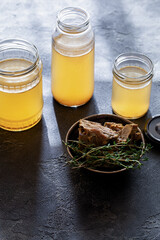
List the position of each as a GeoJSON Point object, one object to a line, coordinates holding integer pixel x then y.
{"type": "Point", "coordinates": [72, 78]}
{"type": "Point", "coordinates": [73, 58]}
{"type": "Point", "coordinates": [131, 99]}
{"type": "Point", "coordinates": [21, 96]}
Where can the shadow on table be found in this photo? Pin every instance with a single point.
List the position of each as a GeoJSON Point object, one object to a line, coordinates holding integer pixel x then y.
{"type": "Point", "coordinates": [66, 116]}
{"type": "Point", "coordinates": [20, 156]}
{"type": "Point", "coordinates": [100, 195]}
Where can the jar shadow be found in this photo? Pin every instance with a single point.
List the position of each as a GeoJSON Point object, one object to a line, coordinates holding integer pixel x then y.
{"type": "Point", "coordinates": [21, 156]}
{"type": "Point", "coordinates": [66, 116]}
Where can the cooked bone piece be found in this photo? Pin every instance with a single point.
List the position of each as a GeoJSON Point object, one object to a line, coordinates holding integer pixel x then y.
{"type": "Point", "coordinates": [135, 134]}
{"type": "Point", "coordinates": [114, 126]}
{"type": "Point", "coordinates": [94, 133]}
{"type": "Point", "coordinates": [125, 132]}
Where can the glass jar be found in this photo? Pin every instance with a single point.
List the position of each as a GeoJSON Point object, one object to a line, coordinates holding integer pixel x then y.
{"type": "Point", "coordinates": [73, 58]}
{"type": "Point", "coordinates": [132, 79]}
{"type": "Point", "coordinates": [21, 100]}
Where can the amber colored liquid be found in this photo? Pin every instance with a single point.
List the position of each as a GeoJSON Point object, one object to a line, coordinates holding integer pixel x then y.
{"type": "Point", "coordinates": [72, 78]}
{"type": "Point", "coordinates": [20, 108]}
{"type": "Point", "coordinates": [128, 100]}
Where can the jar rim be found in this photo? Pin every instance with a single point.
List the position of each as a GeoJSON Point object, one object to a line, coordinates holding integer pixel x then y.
{"type": "Point", "coordinates": [15, 43]}
{"type": "Point", "coordinates": [74, 27]}
{"type": "Point", "coordinates": [130, 56]}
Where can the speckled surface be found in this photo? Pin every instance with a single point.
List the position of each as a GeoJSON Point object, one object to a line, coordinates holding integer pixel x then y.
{"type": "Point", "coordinates": [40, 196]}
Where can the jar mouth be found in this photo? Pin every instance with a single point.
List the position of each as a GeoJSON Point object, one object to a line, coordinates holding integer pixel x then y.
{"type": "Point", "coordinates": [73, 19]}
{"type": "Point", "coordinates": [135, 60]}
{"type": "Point", "coordinates": [18, 49]}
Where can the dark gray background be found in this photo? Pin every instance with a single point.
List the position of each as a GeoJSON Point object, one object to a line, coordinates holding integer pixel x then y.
{"type": "Point", "coordinates": [41, 197]}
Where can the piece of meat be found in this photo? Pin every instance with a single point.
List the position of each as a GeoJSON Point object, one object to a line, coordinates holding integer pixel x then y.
{"type": "Point", "coordinates": [114, 126]}
{"type": "Point", "coordinates": [124, 133]}
{"type": "Point", "coordinates": [135, 134]}
{"type": "Point", "coordinates": [94, 133]}
{"type": "Point", "coordinates": [129, 131]}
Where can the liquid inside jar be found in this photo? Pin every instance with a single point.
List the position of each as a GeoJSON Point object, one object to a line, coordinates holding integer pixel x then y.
{"type": "Point", "coordinates": [20, 96]}
{"type": "Point", "coordinates": [130, 99]}
{"type": "Point", "coordinates": [73, 58]}
{"type": "Point", "coordinates": [72, 78]}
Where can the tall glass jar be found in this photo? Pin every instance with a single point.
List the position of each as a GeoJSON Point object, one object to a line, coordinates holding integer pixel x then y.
{"type": "Point", "coordinates": [21, 100]}
{"type": "Point", "coordinates": [132, 79]}
{"type": "Point", "coordinates": [73, 58]}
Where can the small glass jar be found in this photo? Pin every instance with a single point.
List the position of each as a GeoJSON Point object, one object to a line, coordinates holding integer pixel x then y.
{"type": "Point", "coordinates": [132, 79]}
{"type": "Point", "coordinates": [73, 58]}
{"type": "Point", "coordinates": [21, 99]}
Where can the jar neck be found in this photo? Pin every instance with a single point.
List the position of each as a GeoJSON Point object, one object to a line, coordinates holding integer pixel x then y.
{"type": "Point", "coordinates": [18, 49]}
{"type": "Point", "coordinates": [73, 20]}
{"type": "Point", "coordinates": [135, 62]}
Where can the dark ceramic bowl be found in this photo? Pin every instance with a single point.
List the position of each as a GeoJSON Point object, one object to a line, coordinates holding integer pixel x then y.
{"type": "Point", "coordinates": [72, 134]}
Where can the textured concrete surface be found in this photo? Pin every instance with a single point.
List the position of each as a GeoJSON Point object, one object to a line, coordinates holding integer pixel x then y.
{"type": "Point", "coordinates": [40, 196]}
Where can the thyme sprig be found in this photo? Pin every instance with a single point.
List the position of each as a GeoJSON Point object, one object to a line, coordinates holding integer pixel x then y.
{"type": "Point", "coordinates": [127, 155]}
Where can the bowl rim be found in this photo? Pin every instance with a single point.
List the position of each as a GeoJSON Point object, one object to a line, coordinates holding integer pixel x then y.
{"type": "Point", "coordinates": [102, 115]}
